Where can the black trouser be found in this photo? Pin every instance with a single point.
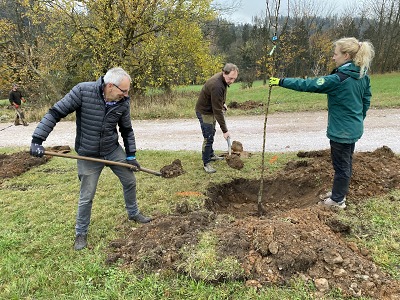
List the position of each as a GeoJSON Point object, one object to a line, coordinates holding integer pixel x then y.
{"type": "Point", "coordinates": [342, 161]}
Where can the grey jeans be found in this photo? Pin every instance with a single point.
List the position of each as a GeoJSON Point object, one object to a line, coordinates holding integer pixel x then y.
{"type": "Point", "coordinates": [89, 173]}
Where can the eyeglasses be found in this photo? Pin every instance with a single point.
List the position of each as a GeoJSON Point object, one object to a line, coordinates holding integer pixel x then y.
{"type": "Point", "coordinates": [123, 91]}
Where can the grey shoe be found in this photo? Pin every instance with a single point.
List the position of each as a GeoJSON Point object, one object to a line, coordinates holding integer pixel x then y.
{"type": "Point", "coordinates": [330, 203]}
{"type": "Point", "coordinates": [209, 169]}
{"type": "Point", "coordinates": [80, 241]}
{"type": "Point", "coordinates": [328, 195]}
{"type": "Point", "coordinates": [325, 196]}
{"type": "Point", "coordinates": [139, 218]}
{"type": "Point", "coordinates": [216, 158]}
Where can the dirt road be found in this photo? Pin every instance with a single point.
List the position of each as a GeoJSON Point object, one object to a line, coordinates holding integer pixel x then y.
{"type": "Point", "coordinates": [285, 132]}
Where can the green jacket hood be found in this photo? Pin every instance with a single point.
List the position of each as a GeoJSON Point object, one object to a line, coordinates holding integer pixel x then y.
{"type": "Point", "coordinates": [350, 69]}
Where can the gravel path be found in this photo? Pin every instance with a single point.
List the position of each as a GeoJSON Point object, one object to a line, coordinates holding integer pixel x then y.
{"type": "Point", "coordinates": [285, 132]}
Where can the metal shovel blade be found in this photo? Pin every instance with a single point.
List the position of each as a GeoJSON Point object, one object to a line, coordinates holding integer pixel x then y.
{"type": "Point", "coordinates": [229, 146]}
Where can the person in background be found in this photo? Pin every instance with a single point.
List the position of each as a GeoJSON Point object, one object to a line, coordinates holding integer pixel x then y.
{"type": "Point", "coordinates": [16, 99]}
{"type": "Point", "coordinates": [349, 94]}
{"type": "Point", "coordinates": [100, 107]}
{"type": "Point", "coordinates": [210, 108]}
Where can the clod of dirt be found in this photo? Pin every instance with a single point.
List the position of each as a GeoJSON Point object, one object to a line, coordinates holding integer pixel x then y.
{"type": "Point", "coordinates": [316, 153]}
{"type": "Point", "coordinates": [237, 146]}
{"type": "Point", "coordinates": [183, 208]}
{"type": "Point", "coordinates": [292, 165]}
{"type": "Point", "coordinates": [173, 170]}
{"type": "Point", "coordinates": [234, 161]}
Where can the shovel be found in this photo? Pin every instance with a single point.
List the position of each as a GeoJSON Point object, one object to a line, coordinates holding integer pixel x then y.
{"type": "Point", "coordinates": [107, 162]}
{"type": "Point", "coordinates": [229, 145]}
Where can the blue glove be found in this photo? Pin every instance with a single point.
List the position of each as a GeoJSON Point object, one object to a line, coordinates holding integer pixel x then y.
{"type": "Point", "coordinates": [132, 161]}
{"type": "Point", "coordinates": [36, 150]}
{"type": "Point", "coordinates": [274, 81]}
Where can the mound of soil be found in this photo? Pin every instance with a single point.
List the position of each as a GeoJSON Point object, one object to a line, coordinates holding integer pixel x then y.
{"type": "Point", "coordinates": [17, 163]}
{"type": "Point", "coordinates": [234, 161]}
{"type": "Point", "coordinates": [296, 239]}
{"type": "Point", "coordinates": [12, 165]}
{"type": "Point", "coordinates": [247, 105]}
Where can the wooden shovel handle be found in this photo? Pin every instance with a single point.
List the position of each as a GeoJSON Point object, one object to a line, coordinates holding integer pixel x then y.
{"type": "Point", "coordinates": [104, 161]}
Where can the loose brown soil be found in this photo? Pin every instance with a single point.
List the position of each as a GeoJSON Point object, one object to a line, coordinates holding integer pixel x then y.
{"type": "Point", "coordinates": [247, 105]}
{"type": "Point", "coordinates": [173, 170]}
{"type": "Point", "coordinates": [295, 239]}
{"type": "Point", "coordinates": [234, 159]}
{"type": "Point", "coordinates": [12, 165]}
{"type": "Point", "coordinates": [15, 164]}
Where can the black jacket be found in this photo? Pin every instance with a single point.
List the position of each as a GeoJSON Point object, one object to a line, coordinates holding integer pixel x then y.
{"type": "Point", "coordinates": [96, 123]}
{"type": "Point", "coordinates": [15, 97]}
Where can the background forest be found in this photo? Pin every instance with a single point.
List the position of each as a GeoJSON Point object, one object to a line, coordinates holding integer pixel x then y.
{"type": "Point", "coordinates": [49, 46]}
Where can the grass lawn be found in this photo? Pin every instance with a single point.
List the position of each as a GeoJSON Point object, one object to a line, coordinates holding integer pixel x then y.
{"type": "Point", "coordinates": [37, 231]}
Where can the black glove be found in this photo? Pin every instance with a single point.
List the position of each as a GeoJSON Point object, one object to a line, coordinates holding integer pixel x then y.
{"type": "Point", "coordinates": [36, 150]}
{"type": "Point", "coordinates": [132, 161]}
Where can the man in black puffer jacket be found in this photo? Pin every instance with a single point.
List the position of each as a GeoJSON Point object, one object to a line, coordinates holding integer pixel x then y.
{"type": "Point", "coordinates": [100, 106]}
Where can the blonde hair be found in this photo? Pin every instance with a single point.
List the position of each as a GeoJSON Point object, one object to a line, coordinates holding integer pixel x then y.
{"type": "Point", "coordinates": [361, 53]}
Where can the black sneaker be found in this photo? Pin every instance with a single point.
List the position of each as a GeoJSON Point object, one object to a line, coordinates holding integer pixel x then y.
{"type": "Point", "coordinates": [80, 241]}
{"type": "Point", "coordinates": [140, 218]}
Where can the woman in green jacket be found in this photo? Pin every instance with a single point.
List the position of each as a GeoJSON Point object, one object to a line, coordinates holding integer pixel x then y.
{"type": "Point", "coordinates": [349, 95]}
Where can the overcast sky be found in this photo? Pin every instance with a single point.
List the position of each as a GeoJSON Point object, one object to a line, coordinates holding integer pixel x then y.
{"type": "Point", "coordinates": [249, 8]}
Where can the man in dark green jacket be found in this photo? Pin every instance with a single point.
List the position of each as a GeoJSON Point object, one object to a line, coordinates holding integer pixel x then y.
{"type": "Point", "coordinates": [349, 95]}
{"type": "Point", "coordinates": [210, 108]}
